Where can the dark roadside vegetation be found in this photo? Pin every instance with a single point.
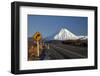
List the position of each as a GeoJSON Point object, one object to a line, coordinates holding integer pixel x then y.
{"type": "Point", "coordinates": [80, 43]}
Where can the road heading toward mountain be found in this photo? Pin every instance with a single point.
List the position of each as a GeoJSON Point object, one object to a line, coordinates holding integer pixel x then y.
{"type": "Point", "coordinates": [63, 45]}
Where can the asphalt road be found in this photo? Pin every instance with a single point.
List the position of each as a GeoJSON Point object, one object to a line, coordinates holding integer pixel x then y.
{"type": "Point", "coordinates": [59, 51]}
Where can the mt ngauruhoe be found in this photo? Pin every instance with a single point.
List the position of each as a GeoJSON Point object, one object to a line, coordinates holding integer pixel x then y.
{"type": "Point", "coordinates": [65, 34]}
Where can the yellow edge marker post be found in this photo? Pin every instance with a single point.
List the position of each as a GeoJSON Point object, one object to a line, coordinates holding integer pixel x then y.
{"type": "Point", "coordinates": [38, 48]}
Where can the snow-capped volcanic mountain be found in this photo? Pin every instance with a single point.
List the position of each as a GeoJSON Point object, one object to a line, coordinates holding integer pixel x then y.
{"type": "Point", "coordinates": [65, 34]}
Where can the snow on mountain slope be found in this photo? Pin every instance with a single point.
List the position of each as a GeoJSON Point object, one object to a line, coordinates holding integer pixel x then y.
{"type": "Point", "coordinates": [65, 34]}
{"type": "Point", "coordinates": [82, 37]}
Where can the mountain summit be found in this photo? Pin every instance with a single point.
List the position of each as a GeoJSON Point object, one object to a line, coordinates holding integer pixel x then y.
{"type": "Point", "coordinates": [65, 34]}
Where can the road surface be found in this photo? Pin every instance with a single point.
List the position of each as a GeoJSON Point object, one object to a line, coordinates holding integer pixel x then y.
{"type": "Point", "coordinates": [59, 51]}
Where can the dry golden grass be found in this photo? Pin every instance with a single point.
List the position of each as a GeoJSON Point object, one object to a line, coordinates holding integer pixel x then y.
{"type": "Point", "coordinates": [32, 50]}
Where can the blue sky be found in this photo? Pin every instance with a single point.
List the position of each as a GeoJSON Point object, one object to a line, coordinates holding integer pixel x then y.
{"type": "Point", "coordinates": [48, 25]}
